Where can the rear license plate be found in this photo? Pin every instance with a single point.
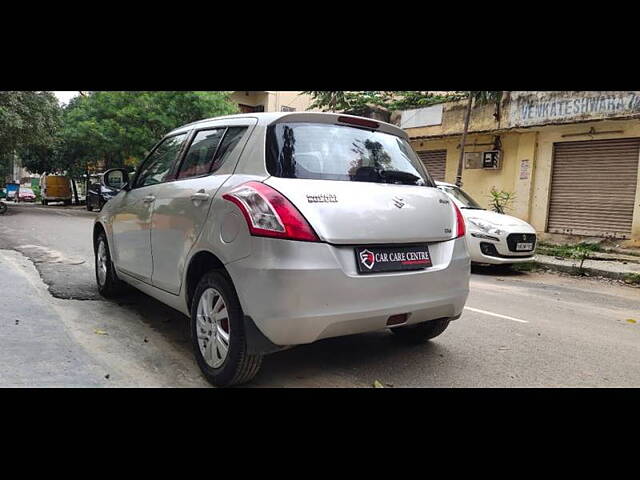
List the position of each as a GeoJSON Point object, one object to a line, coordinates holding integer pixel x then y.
{"type": "Point", "coordinates": [524, 247]}
{"type": "Point", "coordinates": [392, 259]}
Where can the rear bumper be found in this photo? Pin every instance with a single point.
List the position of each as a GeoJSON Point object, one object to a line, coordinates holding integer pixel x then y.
{"type": "Point", "coordinates": [299, 292]}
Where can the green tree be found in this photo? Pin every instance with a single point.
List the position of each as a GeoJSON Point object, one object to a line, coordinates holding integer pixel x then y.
{"type": "Point", "coordinates": [356, 101]}
{"type": "Point", "coordinates": [28, 119]}
{"type": "Point", "coordinates": [119, 128]}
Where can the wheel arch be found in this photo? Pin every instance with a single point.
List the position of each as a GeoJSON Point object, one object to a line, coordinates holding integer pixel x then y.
{"type": "Point", "coordinates": [200, 263]}
{"type": "Point", "coordinates": [203, 262]}
{"type": "Point", "coordinates": [97, 229]}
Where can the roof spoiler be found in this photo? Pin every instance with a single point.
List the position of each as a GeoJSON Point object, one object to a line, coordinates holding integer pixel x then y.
{"type": "Point", "coordinates": [342, 119]}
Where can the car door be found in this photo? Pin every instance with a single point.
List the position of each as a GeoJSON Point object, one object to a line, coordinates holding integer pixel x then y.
{"type": "Point", "coordinates": [182, 205]}
{"type": "Point", "coordinates": [132, 217]}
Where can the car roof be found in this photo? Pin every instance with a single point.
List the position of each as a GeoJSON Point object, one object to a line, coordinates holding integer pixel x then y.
{"type": "Point", "coordinates": [271, 117]}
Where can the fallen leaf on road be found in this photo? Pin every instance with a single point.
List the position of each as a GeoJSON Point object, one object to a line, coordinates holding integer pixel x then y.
{"type": "Point", "coordinates": [377, 384]}
{"type": "Point", "coordinates": [100, 332]}
{"type": "Point", "coordinates": [631, 320]}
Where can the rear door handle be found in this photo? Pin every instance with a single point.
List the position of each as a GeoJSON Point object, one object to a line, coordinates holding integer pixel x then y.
{"type": "Point", "coordinates": [149, 199]}
{"type": "Point", "coordinates": [200, 197]}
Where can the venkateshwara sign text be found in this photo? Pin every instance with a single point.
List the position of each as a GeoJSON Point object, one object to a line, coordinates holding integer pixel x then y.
{"type": "Point", "coordinates": [540, 108]}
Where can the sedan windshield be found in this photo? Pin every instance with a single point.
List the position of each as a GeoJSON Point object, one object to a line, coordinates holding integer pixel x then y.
{"type": "Point", "coordinates": [336, 152]}
{"type": "Point", "coordinates": [462, 199]}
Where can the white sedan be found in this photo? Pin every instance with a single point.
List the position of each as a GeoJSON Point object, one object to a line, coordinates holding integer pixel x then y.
{"type": "Point", "coordinates": [492, 238]}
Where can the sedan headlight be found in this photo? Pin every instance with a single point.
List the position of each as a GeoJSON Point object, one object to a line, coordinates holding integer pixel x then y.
{"type": "Point", "coordinates": [485, 226]}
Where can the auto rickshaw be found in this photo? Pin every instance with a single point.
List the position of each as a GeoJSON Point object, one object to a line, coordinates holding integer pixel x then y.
{"type": "Point", "coordinates": [12, 191]}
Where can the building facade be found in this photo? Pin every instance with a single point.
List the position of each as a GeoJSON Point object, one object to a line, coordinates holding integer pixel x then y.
{"type": "Point", "coordinates": [271, 101]}
{"type": "Point", "coordinates": [570, 157]}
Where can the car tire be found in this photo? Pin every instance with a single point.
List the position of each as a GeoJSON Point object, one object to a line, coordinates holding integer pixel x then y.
{"type": "Point", "coordinates": [44, 202]}
{"type": "Point", "coordinates": [422, 331]}
{"type": "Point", "coordinates": [109, 285]}
{"type": "Point", "coordinates": [237, 366]}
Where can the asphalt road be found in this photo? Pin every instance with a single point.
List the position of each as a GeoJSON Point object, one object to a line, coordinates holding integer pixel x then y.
{"type": "Point", "coordinates": [518, 330]}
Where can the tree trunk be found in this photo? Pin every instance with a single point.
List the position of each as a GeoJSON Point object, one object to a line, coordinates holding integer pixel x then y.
{"type": "Point", "coordinates": [75, 191]}
{"type": "Point", "coordinates": [86, 178]}
{"type": "Point", "coordinates": [467, 116]}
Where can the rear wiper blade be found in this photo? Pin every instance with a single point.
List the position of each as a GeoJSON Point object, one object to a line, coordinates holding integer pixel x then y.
{"type": "Point", "coordinates": [404, 177]}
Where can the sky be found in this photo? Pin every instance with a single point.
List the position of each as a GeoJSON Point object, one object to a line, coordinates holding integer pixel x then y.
{"type": "Point", "coordinates": [64, 97]}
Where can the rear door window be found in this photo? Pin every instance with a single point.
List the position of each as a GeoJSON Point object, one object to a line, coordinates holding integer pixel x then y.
{"type": "Point", "coordinates": [209, 151]}
{"type": "Point", "coordinates": [229, 143]}
{"type": "Point", "coordinates": [200, 155]}
{"type": "Point", "coordinates": [337, 152]}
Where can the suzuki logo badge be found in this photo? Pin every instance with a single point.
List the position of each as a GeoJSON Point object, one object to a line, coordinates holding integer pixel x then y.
{"type": "Point", "coordinates": [399, 202]}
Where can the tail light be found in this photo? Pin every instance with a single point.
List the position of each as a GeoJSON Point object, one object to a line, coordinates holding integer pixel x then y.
{"type": "Point", "coordinates": [461, 229]}
{"type": "Point", "coordinates": [269, 213]}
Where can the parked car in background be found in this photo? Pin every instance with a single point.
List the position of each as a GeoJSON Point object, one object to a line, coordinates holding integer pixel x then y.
{"type": "Point", "coordinates": [493, 238]}
{"type": "Point", "coordinates": [55, 188]}
{"type": "Point", "coordinates": [271, 230]}
{"type": "Point", "coordinates": [98, 194]}
{"type": "Point", "coordinates": [25, 194]}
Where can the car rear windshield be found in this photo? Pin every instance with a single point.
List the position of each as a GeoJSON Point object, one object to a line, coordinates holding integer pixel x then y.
{"type": "Point", "coordinates": [335, 152]}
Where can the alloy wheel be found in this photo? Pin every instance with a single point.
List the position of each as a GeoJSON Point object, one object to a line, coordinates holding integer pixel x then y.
{"type": "Point", "coordinates": [102, 263]}
{"type": "Point", "coordinates": [213, 328]}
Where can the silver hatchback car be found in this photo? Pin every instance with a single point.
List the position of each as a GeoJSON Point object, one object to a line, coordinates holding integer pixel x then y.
{"type": "Point", "coordinates": [279, 229]}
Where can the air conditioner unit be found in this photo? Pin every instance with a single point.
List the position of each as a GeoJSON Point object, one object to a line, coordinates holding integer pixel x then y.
{"type": "Point", "coordinates": [492, 160]}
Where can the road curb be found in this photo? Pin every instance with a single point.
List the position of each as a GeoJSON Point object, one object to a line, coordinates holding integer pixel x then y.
{"type": "Point", "coordinates": [574, 269]}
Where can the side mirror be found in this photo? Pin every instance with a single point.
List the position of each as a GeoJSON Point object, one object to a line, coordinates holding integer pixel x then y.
{"type": "Point", "coordinates": [116, 178]}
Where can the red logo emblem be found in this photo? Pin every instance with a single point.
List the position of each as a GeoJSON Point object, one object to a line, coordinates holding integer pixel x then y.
{"type": "Point", "coordinates": [367, 258]}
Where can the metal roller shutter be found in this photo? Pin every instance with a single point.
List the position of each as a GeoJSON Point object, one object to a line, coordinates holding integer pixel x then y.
{"type": "Point", "coordinates": [436, 163]}
{"type": "Point", "coordinates": [593, 187]}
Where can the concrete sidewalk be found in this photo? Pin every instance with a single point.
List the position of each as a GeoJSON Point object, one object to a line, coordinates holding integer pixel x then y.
{"type": "Point", "coordinates": [35, 348]}
{"type": "Point", "coordinates": [618, 267]}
